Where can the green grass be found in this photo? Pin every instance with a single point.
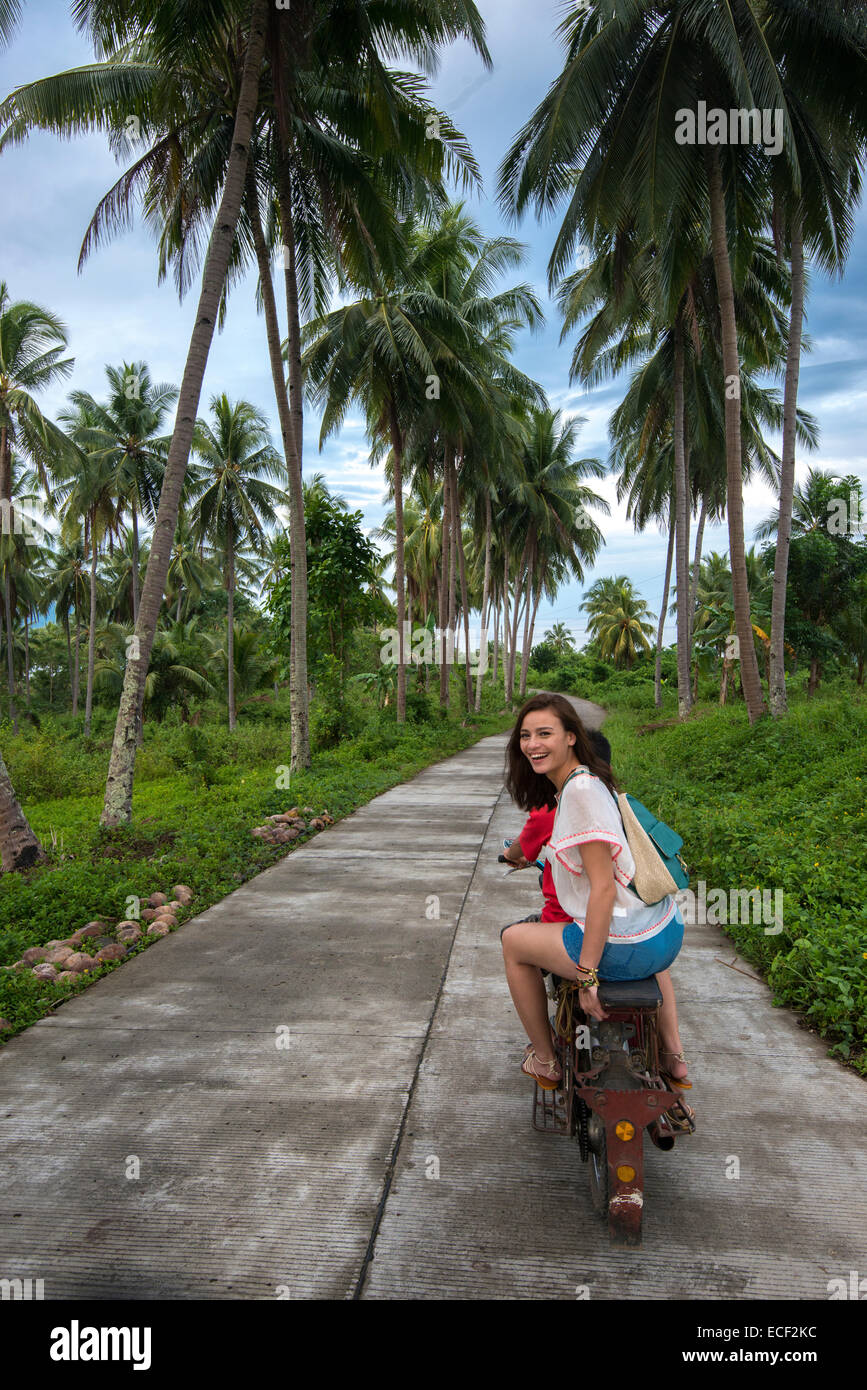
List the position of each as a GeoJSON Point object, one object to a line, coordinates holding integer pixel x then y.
{"type": "Point", "coordinates": [197, 795]}
{"type": "Point", "coordinates": [778, 805]}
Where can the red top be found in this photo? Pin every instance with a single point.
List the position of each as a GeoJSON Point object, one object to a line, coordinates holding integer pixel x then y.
{"type": "Point", "coordinates": [536, 834]}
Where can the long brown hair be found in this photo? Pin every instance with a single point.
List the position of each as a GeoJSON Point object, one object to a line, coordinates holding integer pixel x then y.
{"type": "Point", "coordinates": [530, 789]}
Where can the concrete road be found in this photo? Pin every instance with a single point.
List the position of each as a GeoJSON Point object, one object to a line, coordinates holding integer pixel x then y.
{"type": "Point", "coordinates": [312, 1090]}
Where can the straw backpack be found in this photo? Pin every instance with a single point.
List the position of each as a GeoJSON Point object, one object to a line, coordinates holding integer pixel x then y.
{"type": "Point", "coordinates": [655, 847]}
{"type": "Point", "coordinates": [659, 869]}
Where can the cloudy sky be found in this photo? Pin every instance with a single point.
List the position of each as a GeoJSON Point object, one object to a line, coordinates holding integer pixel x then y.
{"type": "Point", "coordinates": [114, 310]}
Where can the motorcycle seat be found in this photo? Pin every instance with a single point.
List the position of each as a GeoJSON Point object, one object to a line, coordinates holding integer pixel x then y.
{"type": "Point", "coordinates": [636, 994]}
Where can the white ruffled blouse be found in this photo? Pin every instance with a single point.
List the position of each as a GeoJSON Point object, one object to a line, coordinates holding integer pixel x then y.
{"type": "Point", "coordinates": [586, 810]}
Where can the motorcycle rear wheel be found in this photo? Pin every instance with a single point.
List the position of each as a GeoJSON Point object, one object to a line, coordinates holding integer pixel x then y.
{"type": "Point", "coordinates": [598, 1169]}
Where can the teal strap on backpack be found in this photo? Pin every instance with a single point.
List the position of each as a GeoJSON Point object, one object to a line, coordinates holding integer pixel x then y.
{"type": "Point", "coordinates": [666, 841]}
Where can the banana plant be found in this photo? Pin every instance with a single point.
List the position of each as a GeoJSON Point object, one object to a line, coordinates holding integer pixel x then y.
{"type": "Point", "coordinates": [380, 682]}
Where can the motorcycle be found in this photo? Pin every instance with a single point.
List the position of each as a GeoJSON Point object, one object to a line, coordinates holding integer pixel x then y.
{"type": "Point", "coordinates": [611, 1092]}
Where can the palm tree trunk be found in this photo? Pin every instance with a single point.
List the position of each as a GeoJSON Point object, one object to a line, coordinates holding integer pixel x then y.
{"type": "Point", "coordinates": [10, 651]}
{"type": "Point", "coordinates": [230, 609]}
{"type": "Point", "coordinates": [454, 523]}
{"type": "Point", "coordinates": [5, 470]}
{"type": "Point", "coordinates": [681, 512]}
{"type": "Point", "coordinates": [298, 702]}
{"type": "Point", "coordinates": [77, 678]}
{"type": "Point", "coordinates": [68, 648]}
{"type": "Point", "coordinates": [135, 592]}
{"type": "Point", "coordinates": [533, 620]}
{"type": "Point", "coordinates": [520, 611]}
{"type": "Point", "coordinates": [777, 679]}
{"type": "Point", "coordinates": [399, 559]}
{"type": "Point", "coordinates": [657, 674]}
{"type": "Point", "coordinates": [462, 560]}
{"type": "Point", "coordinates": [444, 583]}
{"type": "Point", "coordinates": [178, 611]}
{"type": "Point", "coordinates": [299, 716]}
{"type": "Point", "coordinates": [519, 589]}
{"type": "Point", "coordinates": [483, 644]}
{"type": "Point", "coordinates": [506, 603]}
{"type": "Point", "coordinates": [693, 592]}
{"type": "Point", "coordinates": [696, 565]}
{"type": "Point", "coordinates": [749, 667]}
{"type": "Point", "coordinates": [529, 624]}
{"type": "Point", "coordinates": [91, 636]}
{"type": "Point", "coordinates": [494, 665]}
{"type": "Point", "coordinates": [19, 847]}
{"type": "Point", "coordinates": [117, 805]}
{"type": "Point", "coordinates": [27, 658]}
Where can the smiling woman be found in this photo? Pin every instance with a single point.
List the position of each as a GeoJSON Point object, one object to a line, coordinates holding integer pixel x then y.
{"type": "Point", "coordinates": [551, 761]}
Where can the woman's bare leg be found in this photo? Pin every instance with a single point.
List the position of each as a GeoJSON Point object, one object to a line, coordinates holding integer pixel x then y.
{"type": "Point", "coordinates": [528, 948]}
{"type": "Point", "coordinates": [668, 1029]}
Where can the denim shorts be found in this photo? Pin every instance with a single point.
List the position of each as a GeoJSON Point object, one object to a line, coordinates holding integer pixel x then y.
{"type": "Point", "coordinates": [631, 962]}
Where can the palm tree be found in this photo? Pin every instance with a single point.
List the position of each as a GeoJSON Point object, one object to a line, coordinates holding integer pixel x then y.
{"type": "Point", "coordinates": [178, 669]}
{"type": "Point", "coordinates": [554, 497]}
{"type": "Point", "coordinates": [10, 17]}
{"type": "Point", "coordinates": [32, 340]}
{"type": "Point", "coordinates": [386, 351]}
{"type": "Point", "coordinates": [19, 847]}
{"type": "Point", "coordinates": [237, 456]}
{"type": "Point", "coordinates": [422, 516]}
{"type": "Point", "coordinates": [496, 456]}
{"type": "Point", "coordinates": [560, 638]}
{"type": "Point", "coordinates": [157, 91]}
{"type": "Point", "coordinates": [66, 588]}
{"type": "Point", "coordinates": [250, 667]}
{"type": "Point", "coordinates": [189, 574]}
{"type": "Point", "coordinates": [173, 35]}
{"type": "Point", "coordinates": [612, 115]}
{"type": "Point", "coordinates": [126, 431]}
{"type": "Point", "coordinates": [333, 197]}
{"type": "Point", "coordinates": [480, 391]}
{"type": "Point", "coordinates": [92, 496]}
{"type": "Point", "coordinates": [619, 619]}
{"type": "Point", "coordinates": [117, 571]}
{"type": "Point", "coordinates": [811, 505]}
{"type": "Point", "coordinates": [850, 625]}
{"type": "Point", "coordinates": [714, 618]}
{"type": "Point", "coordinates": [813, 213]}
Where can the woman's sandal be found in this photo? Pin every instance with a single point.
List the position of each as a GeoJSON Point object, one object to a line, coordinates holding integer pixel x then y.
{"type": "Point", "coordinates": [679, 1083]}
{"type": "Point", "coordinates": [544, 1077]}
{"type": "Point", "coordinates": [681, 1117]}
